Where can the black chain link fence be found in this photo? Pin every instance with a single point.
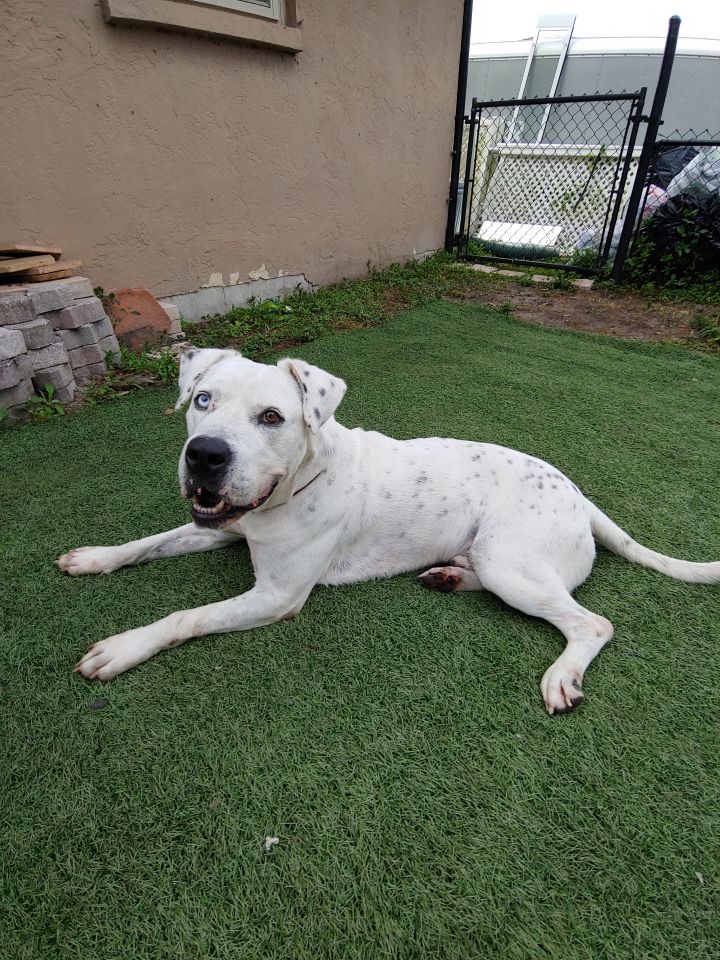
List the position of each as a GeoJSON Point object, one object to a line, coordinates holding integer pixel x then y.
{"type": "Point", "coordinates": [545, 179]}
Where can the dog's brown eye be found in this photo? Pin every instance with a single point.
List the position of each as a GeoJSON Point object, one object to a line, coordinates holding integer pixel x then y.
{"type": "Point", "coordinates": [272, 417]}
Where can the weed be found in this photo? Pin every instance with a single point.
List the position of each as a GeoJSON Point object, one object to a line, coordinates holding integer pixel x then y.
{"type": "Point", "coordinates": [105, 298]}
{"type": "Point", "coordinates": [587, 257]}
{"type": "Point", "coordinates": [103, 392]}
{"type": "Point", "coordinates": [477, 248]}
{"type": "Point", "coordinates": [162, 363]}
{"type": "Point", "coordinates": [563, 281]}
{"type": "Point", "coordinates": [708, 329]}
{"type": "Point", "coordinates": [44, 406]}
{"type": "Point", "coordinates": [260, 328]}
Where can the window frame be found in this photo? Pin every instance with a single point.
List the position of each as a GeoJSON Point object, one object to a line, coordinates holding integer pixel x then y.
{"type": "Point", "coordinates": [214, 20]}
{"type": "Point", "coordinates": [268, 9]}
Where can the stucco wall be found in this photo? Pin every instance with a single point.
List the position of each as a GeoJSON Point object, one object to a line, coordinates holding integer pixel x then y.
{"type": "Point", "coordinates": [163, 158]}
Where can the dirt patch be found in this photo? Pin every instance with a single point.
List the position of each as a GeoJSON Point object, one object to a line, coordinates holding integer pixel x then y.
{"type": "Point", "coordinates": [623, 315]}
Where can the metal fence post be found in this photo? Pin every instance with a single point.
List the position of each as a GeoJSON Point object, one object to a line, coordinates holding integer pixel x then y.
{"type": "Point", "coordinates": [646, 154]}
{"type": "Point", "coordinates": [459, 124]}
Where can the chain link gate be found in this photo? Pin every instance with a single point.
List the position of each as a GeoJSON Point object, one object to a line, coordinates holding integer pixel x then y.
{"type": "Point", "coordinates": [545, 179]}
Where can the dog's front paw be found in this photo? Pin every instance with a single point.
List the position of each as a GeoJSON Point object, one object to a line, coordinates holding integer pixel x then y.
{"type": "Point", "coordinates": [107, 659]}
{"type": "Point", "coordinates": [89, 560]}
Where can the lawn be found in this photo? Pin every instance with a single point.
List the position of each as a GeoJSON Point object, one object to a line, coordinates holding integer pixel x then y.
{"type": "Point", "coordinates": [393, 739]}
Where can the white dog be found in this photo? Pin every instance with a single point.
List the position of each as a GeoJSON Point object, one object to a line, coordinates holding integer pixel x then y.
{"type": "Point", "coordinates": [318, 503]}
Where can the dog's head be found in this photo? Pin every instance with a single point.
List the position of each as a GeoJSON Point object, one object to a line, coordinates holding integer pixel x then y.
{"type": "Point", "coordinates": [249, 427]}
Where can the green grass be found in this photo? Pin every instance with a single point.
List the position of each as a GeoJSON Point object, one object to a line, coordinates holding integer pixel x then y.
{"type": "Point", "coordinates": [392, 738]}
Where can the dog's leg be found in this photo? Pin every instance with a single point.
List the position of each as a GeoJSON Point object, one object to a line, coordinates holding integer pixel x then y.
{"type": "Point", "coordinates": [256, 608]}
{"type": "Point", "coordinates": [541, 594]}
{"type": "Point", "coordinates": [285, 573]}
{"type": "Point", "coordinates": [187, 539]}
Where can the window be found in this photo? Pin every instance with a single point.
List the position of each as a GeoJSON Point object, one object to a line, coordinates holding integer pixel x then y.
{"type": "Point", "coordinates": [262, 23]}
{"type": "Point", "coordinates": [542, 73]}
{"type": "Point", "coordinates": [259, 8]}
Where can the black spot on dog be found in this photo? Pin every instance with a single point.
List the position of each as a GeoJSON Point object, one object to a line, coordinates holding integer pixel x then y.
{"type": "Point", "coordinates": [422, 478]}
{"type": "Point", "coordinates": [304, 387]}
{"type": "Point", "coordinates": [322, 391]}
{"type": "Point", "coordinates": [540, 485]}
{"type": "Point", "coordinates": [332, 383]}
{"type": "Point", "coordinates": [475, 457]}
{"type": "Point", "coordinates": [316, 412]}
{"type": "Point", "coordinates": [306, 373]}
{"type": "Point", "coordinates": [444, 513]}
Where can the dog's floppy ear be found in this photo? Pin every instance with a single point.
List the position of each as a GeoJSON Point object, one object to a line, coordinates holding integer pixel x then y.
{"type": "Point", "coordinates": [193, 364]}
{"type": "Point", "coordinates": [321, 391]}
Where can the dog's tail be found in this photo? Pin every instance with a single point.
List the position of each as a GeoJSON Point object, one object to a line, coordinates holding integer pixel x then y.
{"type": "Point", "coordinates": [613, 537]}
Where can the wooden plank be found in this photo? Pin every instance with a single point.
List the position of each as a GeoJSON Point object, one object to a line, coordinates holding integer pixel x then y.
{"type": "Point", "coordinates": [55, 275]}
{"type": "Point", "coordinates": [23, 249]}
{"type": "Point", "coordinates": [23, 264]}
{"type": "Point", "coordinates": [42, 270]}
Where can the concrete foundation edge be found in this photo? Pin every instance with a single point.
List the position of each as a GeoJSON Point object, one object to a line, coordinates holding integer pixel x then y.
{"type": "Point", "coordinates": [209, 301]}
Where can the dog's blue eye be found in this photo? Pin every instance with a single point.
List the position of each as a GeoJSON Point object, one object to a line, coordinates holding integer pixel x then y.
{"type": "Point", "coordinates": [202, 401]}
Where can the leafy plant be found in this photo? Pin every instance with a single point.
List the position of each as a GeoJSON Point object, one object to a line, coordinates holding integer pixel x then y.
{"type": "Point", "coordinates": [587, 257]}
{"type": "Point", "coordinates": [104, 391]}
{"type": "Point", "coordinates": [162, 363]}
{"type": "Point", "coordinates": [679, 245]}
{"type": "Point", "coordinates": [105, 298]}
{"type": "Point", "coordinates": [563, 280]}
{"type": "Point", "coordinates": [44, 406]}
{"type": "Point", "coordinates": [477, 248]}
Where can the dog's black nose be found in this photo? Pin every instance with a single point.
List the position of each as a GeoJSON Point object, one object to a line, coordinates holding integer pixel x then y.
{"type": "Point", "coordinates": [207, 459]}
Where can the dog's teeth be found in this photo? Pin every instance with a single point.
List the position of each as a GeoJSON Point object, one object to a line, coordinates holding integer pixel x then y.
{"type": "Point", "coordinates": [218, 508]}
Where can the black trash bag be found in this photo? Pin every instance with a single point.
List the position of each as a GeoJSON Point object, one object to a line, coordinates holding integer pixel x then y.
{"type": "Point", "coordinates": [682, 237]}
{"type": "Point", "coordinates": [669, 163]}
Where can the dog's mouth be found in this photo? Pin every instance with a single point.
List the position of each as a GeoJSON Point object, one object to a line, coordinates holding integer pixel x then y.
{"type": "Point", "coordinates": [211, 510]}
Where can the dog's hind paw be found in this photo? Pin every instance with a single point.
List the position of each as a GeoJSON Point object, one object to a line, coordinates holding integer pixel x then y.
{"type": "Point", "coordinates": [446, 579]}
{"type": "Point", "coordinates": [561, 688]}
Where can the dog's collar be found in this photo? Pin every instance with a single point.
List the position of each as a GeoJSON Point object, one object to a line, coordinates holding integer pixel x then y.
{"type": "Point", "coordinates": [296, 492]}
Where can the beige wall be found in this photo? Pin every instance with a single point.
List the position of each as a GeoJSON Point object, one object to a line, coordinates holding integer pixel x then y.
{"type": "Point", "coordinates": [162, 158]}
